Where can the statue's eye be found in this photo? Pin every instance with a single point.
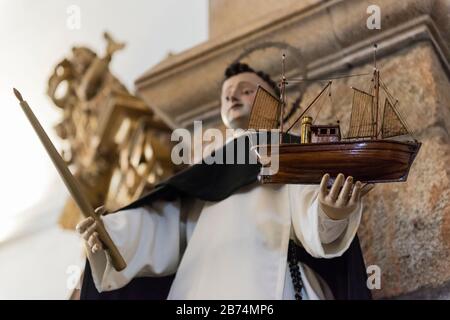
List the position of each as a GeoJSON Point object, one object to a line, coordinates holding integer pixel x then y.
{"type": "Point", "coordinates": [227, 99]}
{"type": "Point", "coordinates": [247, 92]}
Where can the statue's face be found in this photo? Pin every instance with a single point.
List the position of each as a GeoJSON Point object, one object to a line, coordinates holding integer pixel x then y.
{"type": "Point", "coordinates": [237, 97]}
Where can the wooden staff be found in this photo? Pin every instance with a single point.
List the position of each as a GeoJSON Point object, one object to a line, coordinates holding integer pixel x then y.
{"type": "Point", "coordinates": [72, 184]}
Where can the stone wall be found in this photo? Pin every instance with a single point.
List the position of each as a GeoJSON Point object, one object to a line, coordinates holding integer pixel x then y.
{"type": "Point", "coordinates": [406, 226]}
{"type": "Point", "coordinates": [227, 15]}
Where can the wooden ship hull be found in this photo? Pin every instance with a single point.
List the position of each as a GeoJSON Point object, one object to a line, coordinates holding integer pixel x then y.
{"type": "Point", "coordinates": [368, 153]}
{"type": "Point", "coordinates": [371, 161]}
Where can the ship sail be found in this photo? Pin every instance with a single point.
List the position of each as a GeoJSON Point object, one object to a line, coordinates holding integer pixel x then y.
{"type": "Point", "coordinates": [362, 119]}
{"type": "Point", "coordinates": [265, 111]}
{"type": "Point", "coordinates": [392, 123]}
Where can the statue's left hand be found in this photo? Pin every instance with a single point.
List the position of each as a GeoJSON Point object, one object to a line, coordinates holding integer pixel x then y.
{"type": "Point", "coordinates": [339, 203]}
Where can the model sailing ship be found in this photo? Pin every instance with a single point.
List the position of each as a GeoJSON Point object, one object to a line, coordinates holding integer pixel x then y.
{"type": "Point", "coordinates": [368, 152]}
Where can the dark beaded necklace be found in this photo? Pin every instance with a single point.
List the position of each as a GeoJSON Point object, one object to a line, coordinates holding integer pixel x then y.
{"type": "Point", "coordinates": [295, 270]}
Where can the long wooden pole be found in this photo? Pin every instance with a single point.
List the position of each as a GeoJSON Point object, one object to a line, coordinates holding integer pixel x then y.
{"type": "Point", "coordinates": [72, 184]}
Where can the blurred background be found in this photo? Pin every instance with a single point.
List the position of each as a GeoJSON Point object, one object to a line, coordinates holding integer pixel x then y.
{"type": "Point", "coordinates": [35, 252]}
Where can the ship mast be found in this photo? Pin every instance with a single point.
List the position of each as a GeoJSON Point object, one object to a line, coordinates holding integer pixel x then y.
{"type": "Point", "coordinates": [376, 76]}
{"type": "Point", "coordinates": [282, 95]}
{"type": "Point", "coordinates": [377, 99]}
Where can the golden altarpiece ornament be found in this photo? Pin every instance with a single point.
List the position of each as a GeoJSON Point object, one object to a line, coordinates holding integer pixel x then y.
{"type": "Point", "coordinates": [114, 144]}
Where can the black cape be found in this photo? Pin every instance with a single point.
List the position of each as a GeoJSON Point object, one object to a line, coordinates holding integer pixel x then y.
{"type": "Point", "coordinates": [346, 275]}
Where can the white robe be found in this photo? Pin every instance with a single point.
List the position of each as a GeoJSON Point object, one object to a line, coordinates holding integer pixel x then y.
{"type": "Point", "coordinates": [232, 249]}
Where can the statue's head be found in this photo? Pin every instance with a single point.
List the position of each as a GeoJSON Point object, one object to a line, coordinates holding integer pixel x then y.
{"type": "Point", "coordinates": [238, 92]}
